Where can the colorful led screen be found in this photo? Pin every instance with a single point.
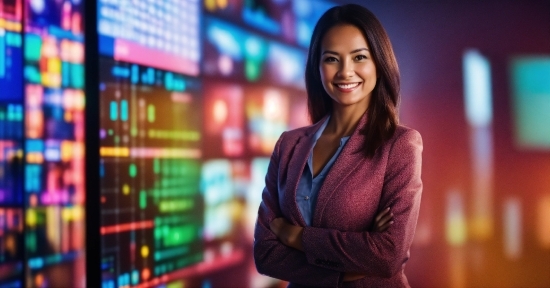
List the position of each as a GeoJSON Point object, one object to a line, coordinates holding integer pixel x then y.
{"type": "Point", "coordinates": [169, 30]}
{"type": "Point", "coordinates": [151, 206]}
{"type": "Point", "coordinates": [12, 245]}
{"type": "Point", "coordinates": [184, 150]}
{"type": "Point", "coordinates": [224, 129]}
{"type": "Point", "coordinates": [234, 53]}
{"type": "Point", "coordinates": [54, 185]}
{"type": "Point", "coordinates": [272, 17]}
{"type": "Point", "coordinates": [11, 50]}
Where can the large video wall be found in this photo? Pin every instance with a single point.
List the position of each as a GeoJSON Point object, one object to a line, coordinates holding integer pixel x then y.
{"type": "Point", "coordinates": [193, 97]}
{"type": "Point", "coordinates": [42, 144]}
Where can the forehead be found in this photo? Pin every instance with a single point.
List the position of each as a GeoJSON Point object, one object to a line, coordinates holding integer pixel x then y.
{"type": "Point", "coordinates": [344, 36]}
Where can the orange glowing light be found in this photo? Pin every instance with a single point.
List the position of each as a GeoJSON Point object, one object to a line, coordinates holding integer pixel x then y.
{"type": "Point", "coordinates": [68, 116]}
{"type": "Point", "coordinates": [11, 245]}
{"type": "Point", "coordinates": [145, 274]}
{"type": "Point", "coordinates": [39, 280]}
{"type": "Point", "coordinates": [544, 222]}
{"type": "Point", "coordinates": [35, 157]}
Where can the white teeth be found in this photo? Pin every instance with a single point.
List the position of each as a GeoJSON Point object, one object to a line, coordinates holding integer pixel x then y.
{"type": "Point", "coordinates": [347, 86]}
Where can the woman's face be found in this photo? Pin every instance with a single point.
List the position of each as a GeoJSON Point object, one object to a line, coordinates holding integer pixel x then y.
{"type": "Point", "coordinates": [347, 69]}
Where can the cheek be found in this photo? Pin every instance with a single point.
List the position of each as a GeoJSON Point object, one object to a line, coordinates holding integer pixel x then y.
{"type": "Point", "coordinates": [326, 79]}
{"type": "Point", "coordinates": [323, 72]}
{"type": "Point", "coordinates": [327, 72]}
{"type": "Point", "coordinates": [369, 74]}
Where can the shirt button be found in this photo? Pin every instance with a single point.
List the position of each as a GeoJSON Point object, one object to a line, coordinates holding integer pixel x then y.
{"type": "Point", "coordinates": [307, 197]}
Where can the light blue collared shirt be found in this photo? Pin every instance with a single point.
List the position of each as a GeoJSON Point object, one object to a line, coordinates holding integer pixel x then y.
{"type": "Point", "coordinates": [309, 186]}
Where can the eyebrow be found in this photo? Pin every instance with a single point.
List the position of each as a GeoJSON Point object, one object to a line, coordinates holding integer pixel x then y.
{"type": "Point", "coordinates": [352, 52]}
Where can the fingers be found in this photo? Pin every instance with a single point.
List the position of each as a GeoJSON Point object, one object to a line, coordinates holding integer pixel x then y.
{"type": "Point", "coordinates": [382, 214]}
{"type": "Point", "coordinates": [385, 227]}
{"type": "Point", "coordinates": [275, 225]}
{"type": "Point", "coordinates": [387, 218]}
{"type": "Point", "coordinates": [383, 220]}
{"type": "Point", "coordinates": [381, 227]}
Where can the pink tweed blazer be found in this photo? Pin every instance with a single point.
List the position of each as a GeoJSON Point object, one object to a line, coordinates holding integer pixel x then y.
{"type": "Point", "coordinates": [355, 190]}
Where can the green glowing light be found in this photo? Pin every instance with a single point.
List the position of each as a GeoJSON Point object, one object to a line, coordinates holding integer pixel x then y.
{"type": "Point", "coordinates": [30, 241]}
{"type": "Point", "coordinates": [33, 47]}
{"type": "Point", "coordinates": [176, 205]}
{"type": "Point", "coordinates": [143, 199]}
{"type": "Point", "coordinates": [252, 70]}
{"type": "Point", "coordinates": [132, 170]}
{"type": "Point", "coordinates": [170, 253]}
{"type": "Point", "coordinates": [151, 113]}
{"type": "Point", "coordinates": [174, 135]}
{"type": "Point", "coordinates": [77, 75]}
{"type": "Point", "coordinates": [156, 165]}
{"type": "Point", "coordinates": [177, 284]}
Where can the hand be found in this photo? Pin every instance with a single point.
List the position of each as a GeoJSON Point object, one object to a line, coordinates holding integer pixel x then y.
{"type": "Point", "coordinates": [383, 221]}
{"type": "Point", "coordinates": [287, 233]}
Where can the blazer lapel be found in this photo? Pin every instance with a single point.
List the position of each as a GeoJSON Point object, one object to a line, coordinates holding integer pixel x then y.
{"type": "Point", "coordinates": [295, 170]}
{"type": "Point", "coordinates": [348, 160]}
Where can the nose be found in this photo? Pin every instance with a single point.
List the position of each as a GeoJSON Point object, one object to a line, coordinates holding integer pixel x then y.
{"type": "Point", "coordinates": [346, 69]}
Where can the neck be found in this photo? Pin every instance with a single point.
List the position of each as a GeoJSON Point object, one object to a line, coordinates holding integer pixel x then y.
{"type": "Point", "coordinates": [343, 120]}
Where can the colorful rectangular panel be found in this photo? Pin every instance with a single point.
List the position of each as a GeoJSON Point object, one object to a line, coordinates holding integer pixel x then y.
{"type": "Point", "coordinates": [54, 144]}
{"type": "Point", "coordinates": [272, 17]}
{"type": "Point", "coordinates": [12, 248]}
{"type": "Point", "coordinates": [151, 205]}
{"type": "Point", "coordinates": [237, 54]}
{"type": "Point", "coordinates": [169, 30]}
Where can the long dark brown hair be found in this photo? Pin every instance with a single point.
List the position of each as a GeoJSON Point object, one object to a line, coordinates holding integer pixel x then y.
{"type": "Point", "coordinates": [382, 111]}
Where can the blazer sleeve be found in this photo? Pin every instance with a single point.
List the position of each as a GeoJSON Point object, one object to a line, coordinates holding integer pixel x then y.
{"type": "Point", "coordinates": [372, 253]}
{"type": "Point", "coordinates": [275, 259]}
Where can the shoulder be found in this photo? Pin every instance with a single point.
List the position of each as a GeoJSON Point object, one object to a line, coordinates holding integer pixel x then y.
{"type": "Point", "coordinates": [405, 139]}
{"type": "Point", "coordinates": [290, 138]}
{"type": "Point", "coordinates": [406, 132]}
{"type": "Point", "coordinates": [299, 132]}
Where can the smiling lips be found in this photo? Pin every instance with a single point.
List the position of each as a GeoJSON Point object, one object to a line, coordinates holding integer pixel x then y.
{"type": "Point", "coordinates": [347, 87]}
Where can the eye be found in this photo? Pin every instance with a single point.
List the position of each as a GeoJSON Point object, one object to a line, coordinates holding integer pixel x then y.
{"type": "Point", "coordinates": [360, 57]}
{"type": "Point", "coordinates": [330, 59]}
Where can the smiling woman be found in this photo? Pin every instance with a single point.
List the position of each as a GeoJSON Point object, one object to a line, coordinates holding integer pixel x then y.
{"type": "Point", "coordinates": [342, 196]}
{"type": "Point", "coordinates": [347, 70]}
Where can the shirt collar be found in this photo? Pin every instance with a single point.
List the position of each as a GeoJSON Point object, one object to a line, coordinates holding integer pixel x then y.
{"type": "Point", "coordinates": [319, 132]}
{"type": "Point", "coordinates": [321, 129]}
